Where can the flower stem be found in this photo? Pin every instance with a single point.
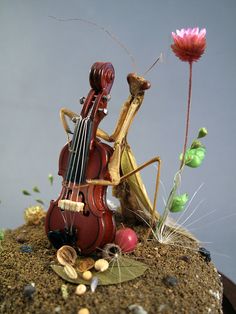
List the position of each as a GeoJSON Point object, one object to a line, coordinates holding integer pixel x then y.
{"type": "Point", "coordinates": [177, 179]}
{"type": "Point", "coordinates": [188, 114]}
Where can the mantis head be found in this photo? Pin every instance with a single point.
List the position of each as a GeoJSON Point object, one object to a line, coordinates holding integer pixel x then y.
{"type": "Point", "coordinates": [137, 84]}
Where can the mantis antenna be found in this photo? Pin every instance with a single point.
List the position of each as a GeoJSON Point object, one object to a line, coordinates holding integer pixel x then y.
{"type": "Point", "coordinates": [159, 59]}
{"type": "Point", "coordinates": [110, 34]}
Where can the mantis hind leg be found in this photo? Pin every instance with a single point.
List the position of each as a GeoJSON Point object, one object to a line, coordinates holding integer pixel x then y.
{"type": "Point", "coordinates": [131, 192]}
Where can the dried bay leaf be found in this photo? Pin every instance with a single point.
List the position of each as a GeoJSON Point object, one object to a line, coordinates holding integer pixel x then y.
{"type": "Point", "coordinates": [124, 270]}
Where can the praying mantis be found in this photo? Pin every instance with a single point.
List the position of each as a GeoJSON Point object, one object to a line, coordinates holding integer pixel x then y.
{"type": "Point", "coordinates": [123, 170]}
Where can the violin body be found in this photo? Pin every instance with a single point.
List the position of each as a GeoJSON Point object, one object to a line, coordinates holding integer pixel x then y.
{"type": "Point", "coordinates": [80, 217]}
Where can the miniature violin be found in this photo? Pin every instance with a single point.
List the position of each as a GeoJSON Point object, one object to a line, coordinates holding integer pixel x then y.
{"type": "Point", "coordinates": [80, 217]}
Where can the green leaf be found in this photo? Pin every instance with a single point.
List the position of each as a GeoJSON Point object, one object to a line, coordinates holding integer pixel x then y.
{"type": "Point", "coordinates": [25, 192]}
{"type": "Point", "coordinates": [36, 189]}
{"type": "Point", "coordinates": [124, 269]}
{"type": "Point", "coordinates": [1, 234]}
{"type": "Point", "coordinates": [39, 201]}
{"type": "Point", "coordinates": [50, 178]}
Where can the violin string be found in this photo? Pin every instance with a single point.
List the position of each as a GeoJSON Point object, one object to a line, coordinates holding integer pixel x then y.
{"type": "Point", "coordinates": [71, 148]}
{"type": "Point", "coordinates": [76, 161]}
{"type": "Point", "coordinates": [81, 160]}
{"type": "Point", "coordinates": [76, 156]}
{"type": "Point", "coordinates": [83, 145]}
{"type": "Point", "coordinates": [73, 152]}
{"type": "Point", "coordinates": [76, 131]}
{"type": "Point", "coordinates": [81, 165]}
{"type": "Point", "coordinates": [64, 218]}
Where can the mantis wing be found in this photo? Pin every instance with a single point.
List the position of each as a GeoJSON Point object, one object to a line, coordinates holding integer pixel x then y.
{"type": "Point", "coordinates": [135, 183]}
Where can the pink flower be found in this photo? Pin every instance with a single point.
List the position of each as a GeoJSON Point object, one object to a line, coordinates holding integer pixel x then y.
{"type": "Point", "coordinates": [189, 44]}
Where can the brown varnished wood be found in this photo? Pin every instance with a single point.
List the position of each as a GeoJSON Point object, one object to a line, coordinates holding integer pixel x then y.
{"type": "Point", "coordinates": [95, 226]}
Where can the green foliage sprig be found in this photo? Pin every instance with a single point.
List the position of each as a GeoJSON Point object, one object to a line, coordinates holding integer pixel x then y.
{"type": "Point", "coordinates": [1, 237]}
{"type": "Point", "coordinates": [36, 190]}
{"type": "Point", "coordinates": [194, 157]}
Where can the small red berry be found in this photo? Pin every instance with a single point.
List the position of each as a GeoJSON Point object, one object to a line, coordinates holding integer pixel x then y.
{"type": "Point", "coordinates": [127, 239]}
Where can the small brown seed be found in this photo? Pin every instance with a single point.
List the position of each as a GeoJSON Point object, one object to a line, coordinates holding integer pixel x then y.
{"type": "Point", "coordinates": [83, 311]}
{"type": "Point", "coordinates": [70, 271]}
{"type": "Point", "coordinates": [87, 275]}
{"type": "Point", "coordinates": [66, 255]}
{"type": "Point", "coordinates": [80, 289]}
{"type": "Point", "coordinates": [101, 265]}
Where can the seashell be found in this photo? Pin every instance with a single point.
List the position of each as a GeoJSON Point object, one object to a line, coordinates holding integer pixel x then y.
{"type": "Point", "coordinates": [101, 265]}
{"type": "Point", "coordinates": [83, 311]}
{"type": "Point", "coordinates": [70, 271]}
{"type": "Point", "coordinates": [80, 289]}
{"type": "Point", "coordinates": [87, 275]}
{"type": "Point", "coordinates": [85, 264]}
{"type": "Point", "coordinates": [111, 251]}
{"type": "Point", "coordinates": [66, 255]}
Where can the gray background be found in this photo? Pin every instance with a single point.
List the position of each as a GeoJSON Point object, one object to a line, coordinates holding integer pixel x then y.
{"type": "Point", "coordinates": [44, 66]}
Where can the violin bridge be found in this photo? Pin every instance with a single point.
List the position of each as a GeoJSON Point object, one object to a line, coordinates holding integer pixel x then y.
{"type": "Point", "coordinates": [71, 205]}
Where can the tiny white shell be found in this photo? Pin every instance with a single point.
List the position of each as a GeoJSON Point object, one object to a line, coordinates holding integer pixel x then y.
{"type": "Point", "coordinates": [80, 289]}
{"type": "Point", "coordinates": [101, 265]}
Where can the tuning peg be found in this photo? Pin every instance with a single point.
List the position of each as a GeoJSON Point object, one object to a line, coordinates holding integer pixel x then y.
{"type": "Point", "coordinates": [82, 100]}
{"type": "Point", "coordinates": [104, 110]}
{"type": "Point", "coordinates": [106, 97]}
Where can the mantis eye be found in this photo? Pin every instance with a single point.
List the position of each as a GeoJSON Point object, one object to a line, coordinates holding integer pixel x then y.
{"type": "Point", "coordinates": [146, 85]}
{"type": "Point", "coordinates": [130, 76]}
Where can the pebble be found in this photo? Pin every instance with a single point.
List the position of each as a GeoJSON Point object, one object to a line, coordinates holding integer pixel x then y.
{"type": "Point", "coordinates": [137, 309]}
{"type": "Point", "coordinates": [29, 291]}
{"type": "Point", "coordinates": [205, 253]}
{"type": "Point", "coordinates": [26, 249]}
{"type": "Point", "coordinates": [57, 309]}
{"type": "Point", "coordinates": [185, 258]}
{"type": "Point", "coordinates": [164, 308]}
{"type": "Point", "coordinates": [21, 238]}
{"type": "Point", "coordinates": [170, 281]}
{"type": "Point", "coordinates": [83, 311]}
{"type": "Point", "coordinates": [215, 294]}
{"type": "Point", "coordinates": [163, 250]}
